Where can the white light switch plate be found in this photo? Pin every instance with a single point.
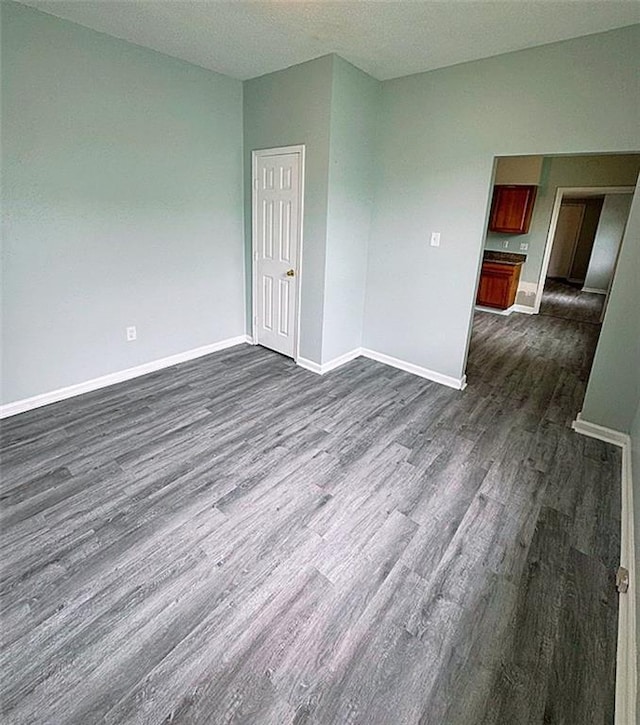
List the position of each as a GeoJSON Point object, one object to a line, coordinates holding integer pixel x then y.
{"type": "Point", "coordinates": [435, 239]}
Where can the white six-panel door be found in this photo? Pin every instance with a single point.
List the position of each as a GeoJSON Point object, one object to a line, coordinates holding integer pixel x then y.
{"type": "Point", "coordinates": [277, 210]}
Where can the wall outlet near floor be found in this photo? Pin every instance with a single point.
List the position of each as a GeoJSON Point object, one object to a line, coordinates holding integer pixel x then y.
{"type": "Point", "coordinates": [505, 244]}
{"type": "Point", "coordinates": [524, 246]}
{"type": "Point", "coordinates": [435, 239]}
{"type": "Point", "coordinates": [131, 333]}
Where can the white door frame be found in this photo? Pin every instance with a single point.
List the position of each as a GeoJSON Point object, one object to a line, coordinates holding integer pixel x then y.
{"type": "Point", "coordinates": [562, 192]}
{"type": "Point", "coordinates": [255, 155]}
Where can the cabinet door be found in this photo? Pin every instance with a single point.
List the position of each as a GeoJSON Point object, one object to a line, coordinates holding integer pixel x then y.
{"type": "Point", "coordinates": [498, 284]}
{"type": "Point", "coordinates": [511, 209]}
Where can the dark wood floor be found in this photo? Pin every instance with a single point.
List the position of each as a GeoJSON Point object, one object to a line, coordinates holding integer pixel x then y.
{"type": "Point", "coordinates": [565, 300]}
{"type": "Point", "coordinates": [238, 540]}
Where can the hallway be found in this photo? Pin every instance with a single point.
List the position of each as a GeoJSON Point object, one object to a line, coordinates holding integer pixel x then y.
{"type": "Point", "coordinates": [565, 300]}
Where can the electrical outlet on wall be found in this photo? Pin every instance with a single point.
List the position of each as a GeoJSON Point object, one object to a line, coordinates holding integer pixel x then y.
{"type": "Point", "coordinates": [524, 246]}
{"type": "Point", "coordinates": [131, 333]}
{"type": "Point", "coordinates": [505, 244]}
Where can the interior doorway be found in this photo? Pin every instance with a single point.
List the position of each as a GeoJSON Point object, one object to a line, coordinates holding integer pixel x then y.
{"type": "Point", "coordinates": [575, 284]}
{"type": "Point", "coordinates": [277, 210]}
{"type": "Point", "coordinates": [574, 238]}
{"type": "Point", "coordinates": [583, 243]}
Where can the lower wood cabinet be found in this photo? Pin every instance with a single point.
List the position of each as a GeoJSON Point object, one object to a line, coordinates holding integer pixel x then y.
{"type": "Point", "coordinates": [498, 285]}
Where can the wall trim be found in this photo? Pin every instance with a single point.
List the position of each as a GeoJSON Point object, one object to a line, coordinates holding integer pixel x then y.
{"type": "Point", "coordinates": [394, 362]}
{"type": "Point", "coordinates": [626, 658]}
{"type": "Point", "coordinates": [322, 369]}
{"type": "Point", "coordinates": [495, 310]}
{"type": "Point", "coordinates": [594, 290]}
{"type": "Point", "coordinates": [436, 377]}
{"type": "Point", "coordinates": [310, 365]}
{"type": "Point", "coordinates": [593, 430]}
{"type": "Point", "coordinates": [341, 360]}
{"type": "Point", "coordinates": [88, 386]}
{"type": "Point", "coordinates": [524, 309]}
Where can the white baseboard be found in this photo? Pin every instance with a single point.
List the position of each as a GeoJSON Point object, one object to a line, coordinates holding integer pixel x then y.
{"type": "Point", "coordinates": [342, 360]}
{"type": "Point", "coordinates": [394, 362]}
{"type": "Point", "coordinates": [321, 369]}
{"type": "Point", "coordinates": [593, 430]}
{"type": "Point", "coordinates": [626, 660]}
{"type": "Point", "coordinates": [312, 367]}
{"type": "Point", "coordinates": [594, 290]}
{"type": "Point", "coordinates": [88, 386]}
{"type": "Point", "coordinates": [495, 311]}
{"type": "Point", "coordinates": [524, 309]}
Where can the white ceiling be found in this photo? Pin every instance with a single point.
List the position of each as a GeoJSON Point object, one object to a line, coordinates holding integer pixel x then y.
{"type": "Point", "coordinates": [386, 39]}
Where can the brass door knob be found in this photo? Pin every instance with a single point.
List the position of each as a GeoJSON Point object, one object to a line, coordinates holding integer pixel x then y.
{"type": "Point", "coordinates": [290, 273]}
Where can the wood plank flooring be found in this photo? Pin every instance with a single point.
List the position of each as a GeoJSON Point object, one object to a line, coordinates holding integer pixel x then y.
{"type": "Point", "coordinates": [237, 540]}
{"type": "Point", "coordinates": [565, 300]}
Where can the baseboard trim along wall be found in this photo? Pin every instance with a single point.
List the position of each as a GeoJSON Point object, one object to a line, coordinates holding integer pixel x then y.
{"type": "Point", "coordinates": [394, 362]}
{"type": "Point", "coordinates": [321, 369]}
{"type": "Point", "coordinates": [88, 386]}
{"type": "Point", "coordinates": [594, 290]}
{"type": "Point", "coordinates": [626, 662]}
{"type": "Point", "coordinates": [436, 377]}
{"type": "Point", "coordinates": [593, 430]}
{"type": "Point", "coordinates": [524, 309]}
{"type": "Point", "coordinates": [54, 396]}
{"type": "Point", "coordinates": [495, 310]}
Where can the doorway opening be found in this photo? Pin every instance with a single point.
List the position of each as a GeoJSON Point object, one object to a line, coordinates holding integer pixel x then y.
{"type": "Point", "coordinates": [552, 251]}
{"type": "Point", "coordinates": [581, 253]}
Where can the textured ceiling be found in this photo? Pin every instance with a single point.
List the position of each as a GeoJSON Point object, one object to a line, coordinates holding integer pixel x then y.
{"type": "Point", "coordinates": [386, 39]}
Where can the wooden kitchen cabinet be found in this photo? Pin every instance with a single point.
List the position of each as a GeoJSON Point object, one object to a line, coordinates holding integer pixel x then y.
{"type": "Point", "coordinates": [512, 208]}
{"type": "Point", "coordinates": [498, 285]}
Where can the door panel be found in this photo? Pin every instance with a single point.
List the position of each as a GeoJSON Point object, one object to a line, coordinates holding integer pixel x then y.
{"type": "Point", "coordinates": [277, 208]}
{"type": "Point", "coordinates": [565, 240]}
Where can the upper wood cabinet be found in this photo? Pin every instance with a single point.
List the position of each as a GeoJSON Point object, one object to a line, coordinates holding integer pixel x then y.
{"type": "Point", "coordinates": [511, 208]}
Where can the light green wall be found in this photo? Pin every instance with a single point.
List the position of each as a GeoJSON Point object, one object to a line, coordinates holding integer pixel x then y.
{"type": "Point", "coordinates": [439, 134]}
{"type": "Point", "coordinates": [122, 173]}
{"type": "Point", "coordinates": [282, 109]}
{"type": "Point", "coordinates": [611, 170]}
{"type": "Point", "coordinates": [613, 219]}
{"type": "Point", "coordinates": [122, 204]}
{"type": "Point", "coordinates": [352, 153]}
{"type": "Point", "coordinates": [330, 106]}
{"type": "Point", "coordinates": [613, 390]}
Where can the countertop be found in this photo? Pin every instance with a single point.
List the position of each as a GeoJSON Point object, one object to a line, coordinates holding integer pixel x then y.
{"type": "Point", "coordinates": [504, 257]}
